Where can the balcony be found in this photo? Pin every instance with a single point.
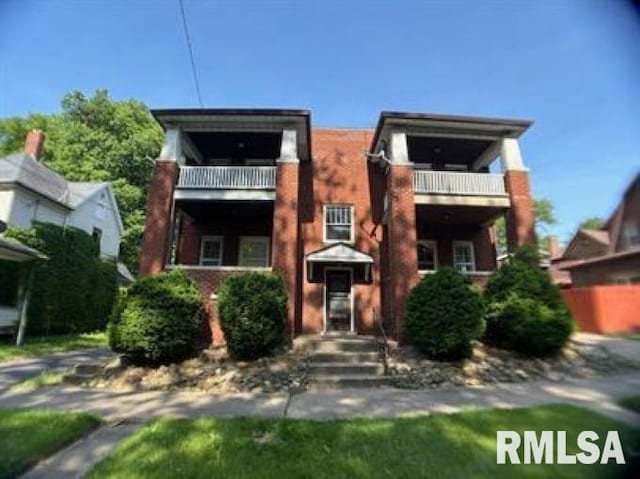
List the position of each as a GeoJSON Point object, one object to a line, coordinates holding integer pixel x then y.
{"type": "Point", "coordinates": [458, 188]}
{"type": "Point", "coordinates": [226, 182]}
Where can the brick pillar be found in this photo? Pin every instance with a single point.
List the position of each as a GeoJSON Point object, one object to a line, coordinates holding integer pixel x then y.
{"type": "Point", "coordinates": [284, 244]}
{"type": "Point", "coordinates": [520, 219]}
{"type": "Point", "coordinates": [157, 231]}
{"type": "Point", "coordinates": [402, 249]}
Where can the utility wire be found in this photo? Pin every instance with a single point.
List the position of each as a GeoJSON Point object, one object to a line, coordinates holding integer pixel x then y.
{"type": "Point", "coordinates": [193, 63]}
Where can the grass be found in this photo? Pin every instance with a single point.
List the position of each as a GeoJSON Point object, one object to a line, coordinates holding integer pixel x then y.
{"type": "Point", "coordinates": [632, 403]}
{"type": "Point", "coordinates": [27, 436]}
{"type": "Point", "coordinates": [45, 378]}
{"type": "Point", "coordinates": [443, 446]}
{"type": "Point", "coordinates": [40, 346]}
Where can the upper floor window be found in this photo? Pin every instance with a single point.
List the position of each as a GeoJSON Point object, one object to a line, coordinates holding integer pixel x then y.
{"type": "Point", "coordinates": [338, 223]}
{"type": "Point", "coordinates": [631, 234]}
{"type": "Point", "coordinates": [463, 256]}
{"type": "Point", "coordinates": [254, 251]}
{"type": "Point", "coordinates": [211, 251]}
{"type": "Point", "coordinates": [427, 256]}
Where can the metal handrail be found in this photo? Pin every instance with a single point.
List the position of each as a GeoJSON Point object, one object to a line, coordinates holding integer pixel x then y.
{"type": "Point", "coordinates": [377, 318]}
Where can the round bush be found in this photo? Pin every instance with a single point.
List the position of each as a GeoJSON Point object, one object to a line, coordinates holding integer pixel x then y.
{"type": "Point", "coordinates": [528, 326]}
{"type": "Point", "coordinates": [444, 313]}
{"type": "Point", "coordinates": [158, 320]}
{"type": "Point", "coordinates": [252, 309]}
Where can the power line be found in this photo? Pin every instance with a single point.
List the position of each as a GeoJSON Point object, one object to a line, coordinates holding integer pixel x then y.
{"type": "Point", "coordinates": [193, 63]}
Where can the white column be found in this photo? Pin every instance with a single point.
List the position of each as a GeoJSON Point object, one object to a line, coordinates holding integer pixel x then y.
{"type": "Point", "coordinates": [289, 147]}
{"type": "Point", "coordinates": [510, 155]}
{"type": "Point", "coordinates": [399, 149]}
{"type": "Point", "coordinates": [172, 147]}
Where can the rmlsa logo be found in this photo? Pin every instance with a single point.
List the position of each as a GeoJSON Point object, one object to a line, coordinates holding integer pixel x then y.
{"type": "Point", "coordinates": [547, 449]}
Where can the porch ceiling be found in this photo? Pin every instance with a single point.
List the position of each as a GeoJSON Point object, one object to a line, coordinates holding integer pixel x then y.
{"type": "Point", "coordinates": [227, 210]}
{"type": "Point", "coordinates": [458, 214]}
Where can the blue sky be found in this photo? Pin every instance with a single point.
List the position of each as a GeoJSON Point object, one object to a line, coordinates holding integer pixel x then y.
{"type": "Point", "coordinates": [572, 66]}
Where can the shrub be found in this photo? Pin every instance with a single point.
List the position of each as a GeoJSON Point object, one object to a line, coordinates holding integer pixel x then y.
{"type": "Point", "coordinates": [252, 309]}
{"type": "Point", "coordinates": [158, 319]}
{"type": "Point", "coordinates": [526, 312]}
{"type": "Point", "coordinates": [528, 326]}
{"type": "Point", "coordinates": [444, 313]}
{"type": "Point", "coordinates": [74, 290]}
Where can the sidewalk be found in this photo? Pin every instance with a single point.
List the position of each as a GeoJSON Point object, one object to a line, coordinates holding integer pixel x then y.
{"type": "Point", "coordinates": [16, 371]}
{"type": "Point", "coordinates": [626, 348]}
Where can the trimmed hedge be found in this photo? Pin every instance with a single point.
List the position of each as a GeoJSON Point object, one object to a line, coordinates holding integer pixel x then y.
{"type": "Point", "coordinates": [158, 320]}
{"type": "Point", "coordinates": [526, 312]}
{"type": "Point", "coordinates": [253, 309]}
{"type": "Point", "coordinates": [529, 327]}
{"type": "Point", "coordinates": [74, 290]}
{"type": "Point", "coordinates": [444, 314]}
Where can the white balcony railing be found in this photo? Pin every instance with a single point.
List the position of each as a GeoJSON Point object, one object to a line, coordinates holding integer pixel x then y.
{"type": "Point", "coordinates": [456, 183]}
{"type": "Point", "coordinates": [228, 177]}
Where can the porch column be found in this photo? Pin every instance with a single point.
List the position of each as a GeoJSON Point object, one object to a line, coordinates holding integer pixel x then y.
{"type": "Point", "coordinates": [401, 229]}
{"type": "Point", "coordinates": [520, 219]}
{"type": "Point", "coordinates": [284, 244]}
{"type": "Point", "coordinates": [159, 220]}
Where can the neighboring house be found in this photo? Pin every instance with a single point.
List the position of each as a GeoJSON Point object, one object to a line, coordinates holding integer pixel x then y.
{"type": "Point", "coordinates": [30, 191]}
{"type": "Point", "coordinates": [610, 255]}
{"type": "Point", "coordinates": [350, 218]}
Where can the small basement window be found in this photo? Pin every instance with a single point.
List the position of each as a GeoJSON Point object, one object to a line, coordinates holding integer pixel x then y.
{"type": "Point", "coordinates": [463, 256]}
{"type": "Point", "coordinates": [338, 223]}
{"type": "Point", "coordinates": [211, 251]}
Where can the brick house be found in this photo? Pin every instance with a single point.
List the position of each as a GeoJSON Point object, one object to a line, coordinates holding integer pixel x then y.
{"type": "Point", "coordinates": [610, 255]}
{"type": "Point", "coordinates": [350, 218]}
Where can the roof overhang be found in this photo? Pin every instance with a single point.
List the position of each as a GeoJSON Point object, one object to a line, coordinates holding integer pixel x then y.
{"type": "Point", "coordinates": [339, 253]}
{"type": "Point", "coordinates": [447, 126]}
{"type": "Point", "coordinates": [11, 250]}
{"type": "Point", "coordinates": [579, 263]}
{"type": "Point", "coordinates": [240, 119]}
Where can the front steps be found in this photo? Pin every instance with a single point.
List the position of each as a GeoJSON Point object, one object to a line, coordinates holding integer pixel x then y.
{"type": "Point", "coordinates": [347, 361]}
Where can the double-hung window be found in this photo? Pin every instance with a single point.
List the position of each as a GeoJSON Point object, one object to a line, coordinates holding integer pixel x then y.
{"type": "Point", "coordinates": [427, 255]}
{"type": "Point", "coordinates": [463, 256]}
{"type": "Point", "coordinates": [211, 251]}
{"type": "Point", "coordinates": [338, 223]}
{"type": "Point", "coordinates": [254, 251]}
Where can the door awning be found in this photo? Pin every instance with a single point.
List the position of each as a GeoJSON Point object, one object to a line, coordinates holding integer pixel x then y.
{"type": "Point", "coordinates": [339, 253]}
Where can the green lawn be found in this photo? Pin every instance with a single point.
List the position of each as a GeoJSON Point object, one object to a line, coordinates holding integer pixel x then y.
{"type": "Point", "coordinates": [632, 403]}
{"type": "Point", "coordinates": [442, 446]}
{"type": "Point", "coordinates": [53, 344]}
{"type": "Point", "coordinates": [27, 436]}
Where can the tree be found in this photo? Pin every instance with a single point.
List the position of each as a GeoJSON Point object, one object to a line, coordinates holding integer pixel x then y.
{"type": "Point", "coordinates": [593, 223]}
{"type": "Point", "coordinates": [98, 139]}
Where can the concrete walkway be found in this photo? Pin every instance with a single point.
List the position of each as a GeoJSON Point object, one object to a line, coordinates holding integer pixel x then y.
{"type": "Point", "coordinates": [625, 348]}
{"type": "Point", "coordinates": [12, 372]}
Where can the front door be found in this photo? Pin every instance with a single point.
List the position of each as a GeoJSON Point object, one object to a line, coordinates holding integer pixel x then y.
{"type": "Point", "coordinates": [338, 300]}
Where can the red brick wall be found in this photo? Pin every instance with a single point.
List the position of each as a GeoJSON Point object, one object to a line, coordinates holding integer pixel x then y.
{"type": "Point", "coordinates": [402, 244]}
{"type": "Point", "coordinates": [340, 174]}
{"type": "Point", "coordinates": [157, 231]}
{"type": "Point", "coordinates": [520, 219]}
{"type": "Point", "coordinates": [605, 309]}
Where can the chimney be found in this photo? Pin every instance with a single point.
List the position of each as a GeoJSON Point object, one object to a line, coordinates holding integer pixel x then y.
{"type": "Point", "coordinates": [554, 248]}
{"type": "Point", "coordinates": [33, 144]}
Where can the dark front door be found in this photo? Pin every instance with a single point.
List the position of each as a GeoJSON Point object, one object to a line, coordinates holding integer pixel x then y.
{"type": "Point", "coordinates": [338, 300]}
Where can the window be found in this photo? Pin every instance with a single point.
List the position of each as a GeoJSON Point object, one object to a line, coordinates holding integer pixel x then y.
{"type": "Point", "coordinates": [631, 235]}
{"type": "Point", "coordinates": [96, 235]}
{"type": "Point", "coordinates": [338, 223]}
{"type": "Point", "coordinates": [463, 257]}
{"type": "Point", "coordinates": [254, 251]}
{"type": "Point", "coordinates": [101, 208]}
{"type": "Point", "coordinates": [427, 255]}
{"type": "Point", "coordinates": [211, 251]}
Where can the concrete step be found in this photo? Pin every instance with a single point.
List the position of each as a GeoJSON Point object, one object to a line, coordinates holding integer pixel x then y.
{"type": "Point", "coordinates": [346, 369]}
{"type": "Point", "coordinates": [351, 345]}
{"type": "Point", "coordinates": [342, 357]}
{"type": "Point", "coordinates": [347, 381]}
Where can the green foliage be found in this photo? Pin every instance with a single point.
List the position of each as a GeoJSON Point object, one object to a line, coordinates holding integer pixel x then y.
{"type": "Point", "coordinates": [98, 139]}
{"type": "Point", "coordinates": [74, 290]}
{"type": "Point", "coordinates": [528, 326]}
{"type": "Point", "coordinates": [444, 313]}
{"type": "Point", "coordinates": [544, 212]}
{"type": "Point", "coordinates": [158, 319]}
{"type": "Point", "coordinates": [252, 309]}
{"type": "Point", "coordinates": [593, 223]}
{"type": "Point", "coordinates": [526, 310]}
